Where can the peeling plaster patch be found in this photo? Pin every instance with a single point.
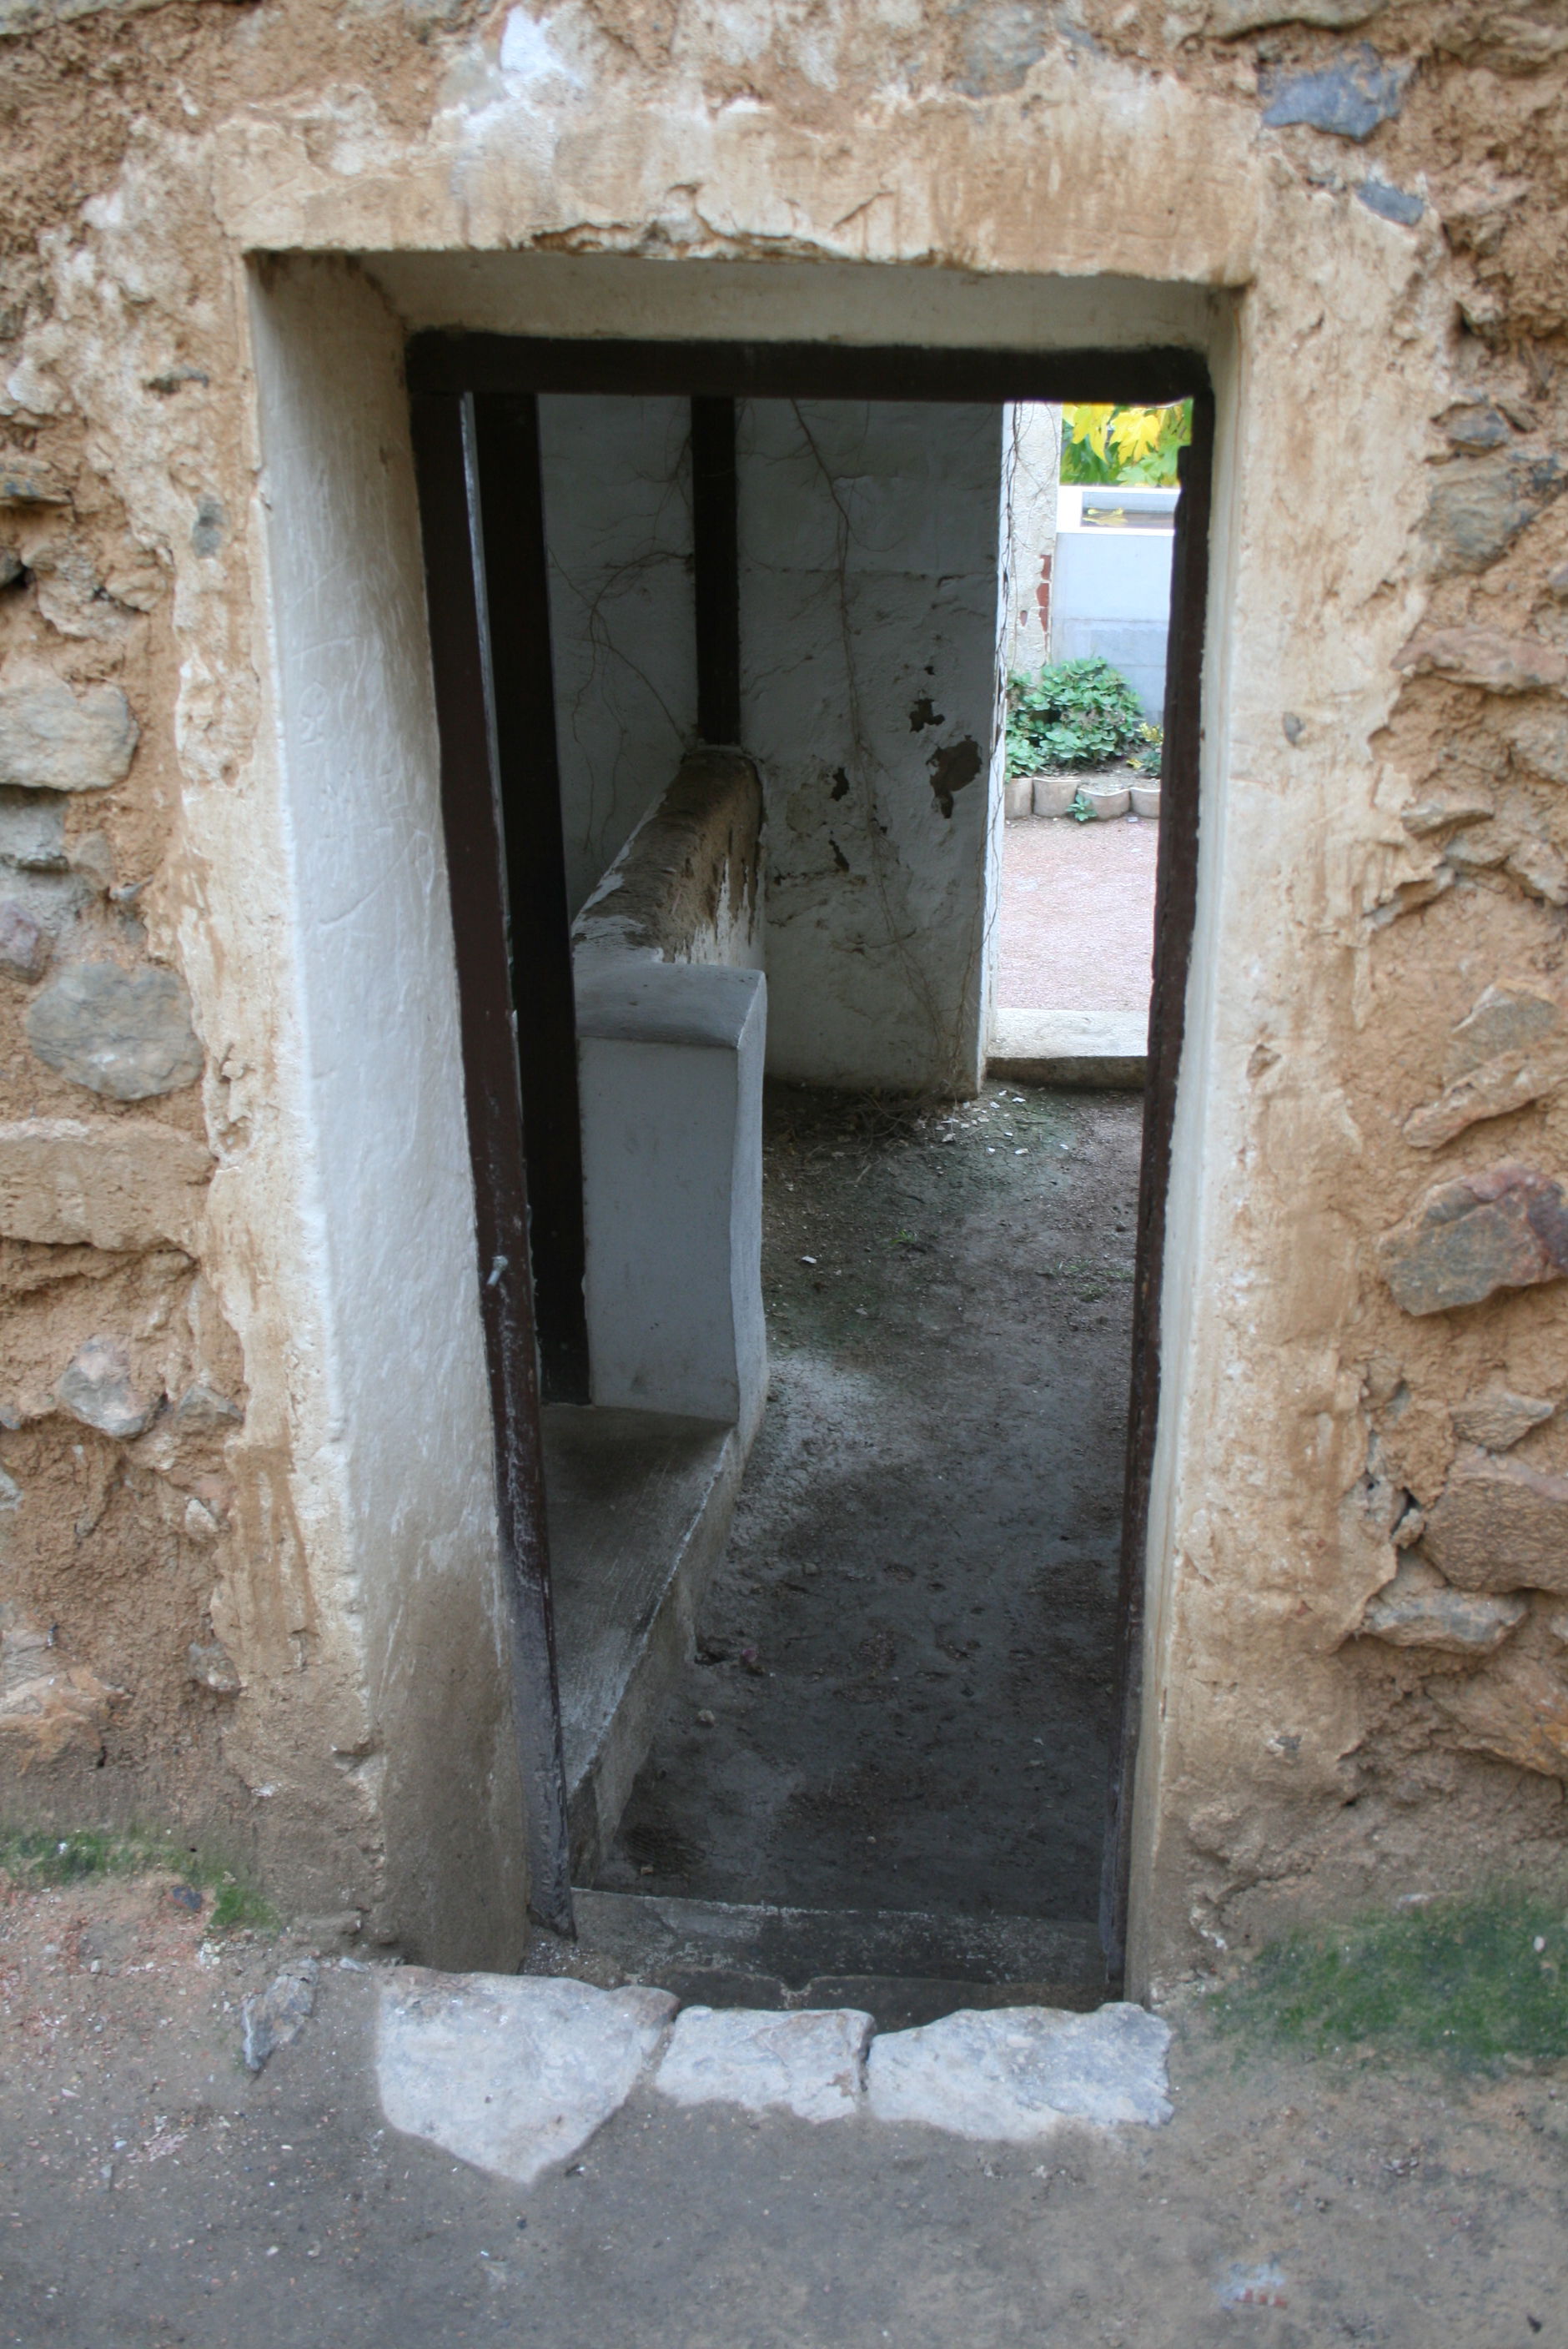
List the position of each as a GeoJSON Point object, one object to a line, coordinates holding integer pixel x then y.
{"type": "Point", "coordinates": [527, 55]}
{"type": "Point", "coordinates": [952, 769]}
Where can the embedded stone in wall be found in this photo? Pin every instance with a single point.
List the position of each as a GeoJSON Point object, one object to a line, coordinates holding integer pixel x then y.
{"type": "Point", "coordinates": [1420, 1609]}
{"type": "Point", "coordinates": [202, 1412]}
{"type": "Point", "coordinates": [1451, 812]}
{"type": "Point", "coordinates": [25, 944]}
{"type": "Point", "coordinates": [1510, 1082]}
{"type": "Point", "coordinates": [96, 1387]}
{"type": "Point", "coordinates": [1496, 1418]}
{"type": "Point", "coordinates": [32, 832]}
{"type": "Point", "coordinates": [24, 480]}
{"type": "Point", "coordinates": [1504, 1229]}
{"type": "Point", "coordinates": [1228, 18]}
{"type": "Point", "coordinates": [61, 738]}
{"type": "Point", "coordinates": [1486, 658]}
{"type": "Point", "coordinates": [1475, 425]}
{"type": "Point", "coordinates": [46, 1705]}
{"type": "Point", "coordinates": [1536, 865]}
{"type": "Point", "coordinates": [104, 1182]}
{"type": "Point", "coordinates": [1540, 741]}
{"type": "Point", "coordinates": [1348, 95]}
{"type": "Point", "coordinates": [211, 1666]}
{"type": "Point", "coordinates": [1478, 506]}
{"type": "Point", "coordinates": [1390, 203]}
{"type": "Point", "coordinates": [1500, 1525]}
{"type": "Point", "coordinates": [124, 1034]}
{"type": "Point", "coordinates": [1503, 1020]}
{"type": "Point", "coordinates": [1517, 1710]}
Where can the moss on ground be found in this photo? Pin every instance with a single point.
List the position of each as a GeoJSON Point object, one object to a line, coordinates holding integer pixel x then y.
{"type": "Point", "coordinates": [1470, 1982]}
{"type": "Point", "coordinates": [32, 1856]}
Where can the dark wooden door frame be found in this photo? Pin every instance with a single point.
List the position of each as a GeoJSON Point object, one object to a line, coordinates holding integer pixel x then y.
{"type": "Point", "coordinates": [1175, 914]}
{"type": "Point", "coordinates": [716, 570]}
{"type": "Point", "coordinates": [452, 377]}
{"type": "Point", "coordinates": [510, 508]}
{"type": "Point", "coordinates": [448, 439]}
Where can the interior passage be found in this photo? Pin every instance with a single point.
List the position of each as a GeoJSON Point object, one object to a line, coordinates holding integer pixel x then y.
{"type": "Point", "coordinates": [1076, 918]}
{"type": "Point", "coordinates": [903, 1689]}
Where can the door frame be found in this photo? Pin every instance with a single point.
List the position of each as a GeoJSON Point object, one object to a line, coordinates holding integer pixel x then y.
{"type": "Point", "coordinates": [462, 385]}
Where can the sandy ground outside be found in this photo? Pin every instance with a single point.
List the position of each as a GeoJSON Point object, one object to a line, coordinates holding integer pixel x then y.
{"type": "Point", "coordinates": [1076, 927]}
{"type": "Point", "coordinates": [152, 2193]}
{"type": "Point", "coordinates": [904, 1672]}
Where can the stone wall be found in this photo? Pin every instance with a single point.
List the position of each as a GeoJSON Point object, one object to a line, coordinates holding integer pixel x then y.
{"type": "Point", "coordinates": [233, 1529]}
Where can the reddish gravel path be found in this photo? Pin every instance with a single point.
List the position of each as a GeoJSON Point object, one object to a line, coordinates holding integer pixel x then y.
{"type": "Point", "coordinates": [1076, 916]}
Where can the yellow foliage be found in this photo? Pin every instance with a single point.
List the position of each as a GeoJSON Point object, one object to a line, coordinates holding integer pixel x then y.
{"type": "Point", "coordinates": [1088, 420]}
{"type": "Point", "coordinates": [1135, 433]}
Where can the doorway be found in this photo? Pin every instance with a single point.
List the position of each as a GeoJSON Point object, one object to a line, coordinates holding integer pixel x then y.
{"type": "Point", "coordinates": [466, 389]}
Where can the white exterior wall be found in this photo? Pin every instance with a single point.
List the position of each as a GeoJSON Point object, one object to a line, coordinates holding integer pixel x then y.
{"type": "Point", "coordinates": [399, 1633]}
{"type": "Point", "coordinates": [1111, 595]}
{"type": "Point", "coordinates": [869, 640]}
{"type": "Point", "coordinates": [1031, 458]}
{"type": "Point", "coordinates": [617, 516]}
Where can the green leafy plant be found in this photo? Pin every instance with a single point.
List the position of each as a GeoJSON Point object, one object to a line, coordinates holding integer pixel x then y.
{"type": "Point", "coordinates": [1134, 448]}
{"type": "Point", "coordinates": [1150, 750]}
{"type": "Point", "coordinates": [1081, 810]}
{"type": "Point", "coordinates": [1077, 713]}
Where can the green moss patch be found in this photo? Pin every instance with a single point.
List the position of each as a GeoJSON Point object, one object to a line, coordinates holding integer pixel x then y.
{"type": "Point", "coordinates": [1470, 1982]}
{"type": "Point", "coordinates": [32, 1856]}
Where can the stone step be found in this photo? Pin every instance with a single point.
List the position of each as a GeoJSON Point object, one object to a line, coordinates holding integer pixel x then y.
{"type": "Point", "coordinates": [903, 1967]}
{"type": "Point", "coordinates": [638, 1504]}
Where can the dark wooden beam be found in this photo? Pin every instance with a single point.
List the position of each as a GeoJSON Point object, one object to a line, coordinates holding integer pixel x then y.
{"type": "Point", "coordinates": [442, 361]}
{"type": "Point", "coordinates": [717, 564]}
{"type": "Point", "coordinates": [446, 466]}
{"type": "Point", "coordinates": [516, 583]}
{"type": "Point", "coordinates": [1175, 914]}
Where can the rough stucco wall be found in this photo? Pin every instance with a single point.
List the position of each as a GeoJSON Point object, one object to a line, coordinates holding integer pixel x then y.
{"type": "Point", "coordinates": [617, 518]}
{"type": "Point", "coordinates": [1381, 844]}
{"type": "Point", "coordinates": [429, 1760]}
{"type": "Point", "coordinates": [869, 633]}
{"type": "Point", "coordinates": [1031, 458]}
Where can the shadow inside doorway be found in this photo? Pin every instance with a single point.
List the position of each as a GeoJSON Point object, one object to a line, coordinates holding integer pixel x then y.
{"type": "Point", "coordinates": [902, 1695]}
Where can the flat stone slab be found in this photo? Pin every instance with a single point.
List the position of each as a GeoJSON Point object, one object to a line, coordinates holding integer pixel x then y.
{"type": "Point", "coordinates": [510, 2071]}
{"type": "Point", "coordinates": [1096, 1049]}
{"type": "Point", "coordinates": [809, 2062]}
{"type": "Point", "coordinates": [515, 2072]}
{"type": "Point", "coordinates": [1017, 2073]}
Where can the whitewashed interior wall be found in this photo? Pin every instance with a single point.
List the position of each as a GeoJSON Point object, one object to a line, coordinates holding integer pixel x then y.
{"type": "Point", "coordinates": [870, 620]}
{"type": "Point", "coordinates": [617, 516]}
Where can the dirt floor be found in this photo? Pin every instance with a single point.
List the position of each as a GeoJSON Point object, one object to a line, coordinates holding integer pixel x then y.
{"type": "Point", "coordinates": [1076, 927]}
{"type": "Point", "coordinates": [152, 2193]}
{"type": "Point", "coordinates": [904, 1683]}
